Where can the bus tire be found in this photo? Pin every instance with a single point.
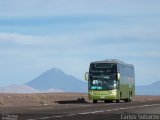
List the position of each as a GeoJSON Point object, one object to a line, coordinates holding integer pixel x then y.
{"type": "Point", "coordinates": [130, 99]}
{"type": "Point", "coordinates": [126, 100]}
{"type": "Point", "coordinates": [117, 101]}
{"type": "Point", "coordinates": [94, 101]}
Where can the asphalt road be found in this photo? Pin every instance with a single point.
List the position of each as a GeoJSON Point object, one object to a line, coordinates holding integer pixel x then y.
{"type": "Point", "coordinates": [140, 109]}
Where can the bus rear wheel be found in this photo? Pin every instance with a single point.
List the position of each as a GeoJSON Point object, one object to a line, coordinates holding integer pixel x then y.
{"type": "Point", "coordinates": [94, 101]}
{"type": "Point", "coordinates": [128, 99]}
{"type": "Point", "coordinates": [117, 101]}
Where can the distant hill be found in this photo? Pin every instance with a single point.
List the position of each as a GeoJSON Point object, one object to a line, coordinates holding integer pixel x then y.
{"type": "Point", "coordinates": [153, 89]}
{"type": "Point", "coordinates": [18, 89]}
{"type": "Point", "coordinates": [56, 79]}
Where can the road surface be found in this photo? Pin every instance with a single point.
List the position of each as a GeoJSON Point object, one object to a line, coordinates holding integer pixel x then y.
{"type": "Point", "coordinates": [142, 109]}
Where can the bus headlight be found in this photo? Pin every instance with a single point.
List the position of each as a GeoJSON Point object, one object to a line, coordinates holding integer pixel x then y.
{"type": "Point", "coordinates": [114, 92]}
{"type": "Point", "coordinates": [91, 93]}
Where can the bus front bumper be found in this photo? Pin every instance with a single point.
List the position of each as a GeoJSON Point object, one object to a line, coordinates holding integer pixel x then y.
{"type": "Point", "coordinates": [103, 95]}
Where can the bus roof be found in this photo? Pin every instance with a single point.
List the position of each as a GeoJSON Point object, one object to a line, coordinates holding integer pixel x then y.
{"type": "Point", "coordinates": [111, 61]}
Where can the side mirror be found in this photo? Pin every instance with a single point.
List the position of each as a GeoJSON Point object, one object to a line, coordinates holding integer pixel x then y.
{"type": "Point", "coordinates": [86, 76]}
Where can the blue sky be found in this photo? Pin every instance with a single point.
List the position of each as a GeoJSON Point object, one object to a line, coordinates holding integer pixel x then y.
{"type": "Point", "coordinates": [36, 35]}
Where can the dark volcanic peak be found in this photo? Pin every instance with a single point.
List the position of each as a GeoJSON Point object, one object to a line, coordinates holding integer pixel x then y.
{"type": "Point", "coordinates": [57, 79]}
{"type": "Point", "coordinates": [56, 70]}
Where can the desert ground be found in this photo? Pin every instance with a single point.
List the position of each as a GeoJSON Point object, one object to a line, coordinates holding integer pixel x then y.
{"type": "Point", "coordinates": [52, 99]}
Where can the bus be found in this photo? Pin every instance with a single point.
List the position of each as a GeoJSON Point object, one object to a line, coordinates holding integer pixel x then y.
{"type": "Point", "coordinates": [110, 80]}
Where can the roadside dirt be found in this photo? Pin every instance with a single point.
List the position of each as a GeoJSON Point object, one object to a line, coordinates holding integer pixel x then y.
{"type": "Point", "coordinates": [52, 99]}
{"type": "Point", "coordinates": [40, 99]}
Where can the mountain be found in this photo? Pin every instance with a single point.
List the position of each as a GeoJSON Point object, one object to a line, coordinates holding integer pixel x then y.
{"type": "Point", "coordinates": [152, 89]}
{"type": "Point", "coordinates": [18, 89]}
{"type": "Point", "coordinates": [56, 79]}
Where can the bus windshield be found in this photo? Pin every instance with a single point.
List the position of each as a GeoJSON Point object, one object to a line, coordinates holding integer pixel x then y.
{"type": "Point", "coordinates": [103, 82]}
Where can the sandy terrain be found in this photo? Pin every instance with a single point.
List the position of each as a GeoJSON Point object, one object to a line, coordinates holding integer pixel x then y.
{"type": "Point", "coordinates": [51, 99]}
{"type": "Point", "coordinates": [39, 99]}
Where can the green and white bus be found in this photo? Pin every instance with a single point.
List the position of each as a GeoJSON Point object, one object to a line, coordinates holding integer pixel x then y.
{"type": "Point", "coordinates": [110, 80]}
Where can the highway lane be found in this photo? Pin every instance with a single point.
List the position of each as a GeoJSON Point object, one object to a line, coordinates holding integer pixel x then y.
{"type": "Point", "coordinates": [85, 111]}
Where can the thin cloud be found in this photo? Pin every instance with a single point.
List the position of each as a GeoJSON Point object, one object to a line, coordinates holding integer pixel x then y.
{"type": "Point", "coordinates": [70, 7]}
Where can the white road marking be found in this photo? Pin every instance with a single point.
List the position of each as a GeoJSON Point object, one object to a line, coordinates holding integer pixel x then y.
{"type": "Point", "coordinates": [42, 108]}
{"type": "Point", "coordinates": [44, 118]}
{"type": "Point", "coordinates": [83, 113]}
{"type": "Point", "coordinates": [70, 115]}
{"type": "Point", "coordinates": [58, 116]}
{"type": "Point", "coordinates": [93, 112]}
{"type": "Point", "coordinates": [122, 108]}
{"type": "Point", "coordinates": [98, 111]}
{"type": "Point", "coordinates": [112, 110]}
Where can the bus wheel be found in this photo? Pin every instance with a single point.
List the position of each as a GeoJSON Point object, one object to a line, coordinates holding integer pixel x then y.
{"type": "Point", "coordinates": [130, 99]}
{"type": "Point", "coordinates": [126, 100]}
{"type": "Point", "coordinates": [117, 101]}
{"type": "Point", "coordinates": [94, 101]}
